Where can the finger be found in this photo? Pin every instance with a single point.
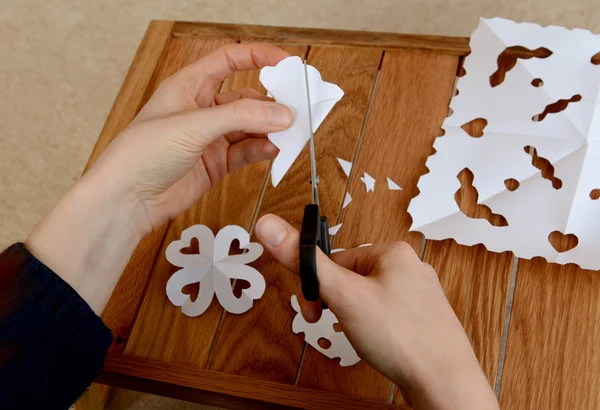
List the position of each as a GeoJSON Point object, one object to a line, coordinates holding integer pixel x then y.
{"type": "Point", "coordinates": [199, 128]}
{"type": "Point", "coordinates": [215, 67]}
{"type": "Point", "coordinates": [225, 98]}
{"type": "Point", "coordinates": [249, 151]}
{"type": "Point", "coordinates": [311, 311]}
{"type": "Point", "coordinates": [361, 260]}
{"type": "Point", "coordinates": [282, 241]}
{"type": "Point", "coordinates": [237, 136]}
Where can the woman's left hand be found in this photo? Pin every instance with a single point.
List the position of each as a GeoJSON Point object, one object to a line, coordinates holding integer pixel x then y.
{"type": "Point", "coordinates": [187, 137]}
{"type": "Point", "coordinates": [184, 140]}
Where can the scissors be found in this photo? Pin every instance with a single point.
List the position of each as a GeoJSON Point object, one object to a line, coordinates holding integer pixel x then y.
{"type": "Point", "coordinates": [314, 232]}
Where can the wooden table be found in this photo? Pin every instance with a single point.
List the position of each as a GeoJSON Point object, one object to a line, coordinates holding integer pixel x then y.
{"type": "Point", "coordinates": [539, 349]}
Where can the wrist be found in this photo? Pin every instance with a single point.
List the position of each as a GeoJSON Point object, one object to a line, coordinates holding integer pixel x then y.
{"type": "Point", "coordinates": [89, 236]}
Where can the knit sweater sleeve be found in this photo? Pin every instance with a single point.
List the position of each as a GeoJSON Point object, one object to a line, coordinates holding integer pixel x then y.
{"type": "Point", "coordinates": [52, 345]}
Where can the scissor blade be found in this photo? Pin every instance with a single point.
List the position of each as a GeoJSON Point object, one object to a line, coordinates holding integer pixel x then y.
{"type": "Point", "coordinates": [314, 180]}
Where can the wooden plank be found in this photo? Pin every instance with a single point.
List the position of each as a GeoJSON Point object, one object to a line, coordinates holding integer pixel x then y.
{"type": "Point", "coordinates": [355, 71]}
{"type": "Point", "coordinates": [552, 356]}
{"type": "Point", "coordinates": [121, 309]}
{"type": "Point", "coordinates": [233, 201]}
{"type": "Point", "coordinates": [318, 37]}
{"type": "Point", "coordinates": [260, 343]}
{"type": "Point", "coordinates": [476, 281]}
{"type": "Point", "coordinates": [130, 97]}
{"type": "Point", "coordinates": [222, 389]}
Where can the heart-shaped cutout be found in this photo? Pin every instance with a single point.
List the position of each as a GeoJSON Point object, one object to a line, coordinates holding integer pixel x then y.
{"type": "Point", "coordinates": [562, 242]}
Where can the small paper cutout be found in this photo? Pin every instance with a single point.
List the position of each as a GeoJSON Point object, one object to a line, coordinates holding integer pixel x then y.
{"type": "Point", "coordinates": [287, 84]}
{"type": "Point", "coordinates": [369, 182]}
{"type": "Point", "coordinates": [214, 268]}
{"type": "Point", "coordinates": [337, 250]}
{"type": "Point", "coordinates": [340, 346]}
{"type": "Point", "coordinates": [334, 229]}
{"type": "Point", "coordinates": [347, 200]}
{"type": "Point", "coordinates": [364, 244]}
{"type": "Point", "coordinates": [346, 166]}
{"type": "Point", "coordinates": [392, 186]}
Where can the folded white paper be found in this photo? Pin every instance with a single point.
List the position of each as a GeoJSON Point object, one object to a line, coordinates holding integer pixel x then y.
{"type": "Point", "coordinates": [340, 346]}
{"type": "Point", "coordinates": [569, 139]}
{"type": "Point", "coordinates": [287, 84]}
{"type": "Point", "coordinates": [214, 268]}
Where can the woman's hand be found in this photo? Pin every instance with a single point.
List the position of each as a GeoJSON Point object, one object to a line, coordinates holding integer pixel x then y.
{"type": "Point", "coordinates": [184, 140]}
{"type": "Point", "coordinates": [394, 312]}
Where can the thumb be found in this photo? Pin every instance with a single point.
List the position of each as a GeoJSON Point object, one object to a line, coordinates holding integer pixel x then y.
{"type": "Point", "coordinates": [248, 115]}
{"type": "Point", "coordinates": [282, 241]}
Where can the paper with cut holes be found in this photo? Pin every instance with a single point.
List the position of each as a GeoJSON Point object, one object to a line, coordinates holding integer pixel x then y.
{"type": "Point", "coordinates": [214, 269]}
{"type": "Point", "coordinates": [340, 346]}
{"type": "Point", "coordinates": [505, 176]}
{"type": "Point", "coordinates": [287, 84]}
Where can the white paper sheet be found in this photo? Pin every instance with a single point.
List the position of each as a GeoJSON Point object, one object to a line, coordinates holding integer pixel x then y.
{"type": "Point", "coordinates": [346, 166]}
{"type": "Point", "coordinates": [570, 140]}
{"type": "Point", "coordinates": [340, 346]}
{"type": "Point", "coordinates": [337, 250]}
{"type": "Point", "coordinates": [287, 84]}
{"type": "Point", "coordinates": [369, 182]}
{"type": "Point", "coordinates": [214, 268]}
{"type": "Point", "coordinates": [334, 229]}
{"type": "Point", "coordinates": [392, 186]}
{"type": "Point", "coordinates": [347, 200]}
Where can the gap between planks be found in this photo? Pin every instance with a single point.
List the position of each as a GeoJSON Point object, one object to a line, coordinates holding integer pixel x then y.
{"type": "Point", "coordinates": [253, 222]}
{"type": "Point", "coordinates": [339, 218]}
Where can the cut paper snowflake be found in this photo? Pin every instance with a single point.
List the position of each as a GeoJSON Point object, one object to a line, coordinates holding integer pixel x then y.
{"type": "Point", "coordinates": [214, 268]}
{"type": "Point", "coordinates": [392, 186]}
{"type": "Point", "coordinates": [324, 329]}
{"type": "Point", "coordinates": [347, 200]}
{"type": "Point", "coordinates": [346, 166]}
{"type": "Point", "coordinates": [541, 114]}
{"type": "Point", "coordinates": [369, 182]}
{"type": "Point", "coordinates": [334, 229]}
{"type": "Point", "coordinates": [286, 82]}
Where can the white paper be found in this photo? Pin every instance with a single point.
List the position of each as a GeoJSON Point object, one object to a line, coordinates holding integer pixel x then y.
{"type": "Point", "coordinates": [568, 139]}
{"type": "Point", "coordinates": [287, 84]}
{"type": "Point", "coordinates": [392, 186]}
{"type": "Point", "coordinates": [340, 346]}
{"type": "Point", "coordinates": [364, 244]}
{"type": "Point", "coordinates": [369, 182]}
{"type": "Point", "coordinates": [337, 250]}
{"type": "Point", "coordinates": [346, 166]}
{"type": "Point", "coordinates": [334, 229]}
{"type": "Point", "coordinates": [347, 200]}
{"type": "Point", "coordinates": [214, 268]}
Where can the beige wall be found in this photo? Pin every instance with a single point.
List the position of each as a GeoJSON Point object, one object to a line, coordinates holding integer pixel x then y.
{"type": "Point", "coordinates": [62, 62]}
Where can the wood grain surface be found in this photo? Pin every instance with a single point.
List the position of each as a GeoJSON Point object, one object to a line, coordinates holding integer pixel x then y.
{"type": "Point", "coordinates": [552, 355]}
{"type": "Point", "coordinates": [233, 201]}
{"type": "Point", "coordinates": [260, 343]}
{"type": "Point", "coordinates": [217, 388]}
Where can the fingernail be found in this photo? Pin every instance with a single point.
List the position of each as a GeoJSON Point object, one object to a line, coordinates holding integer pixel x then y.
{"type": "Point", "coordinates": [278, 115]}
{"type": "Point", "coordinates": [272, 230]}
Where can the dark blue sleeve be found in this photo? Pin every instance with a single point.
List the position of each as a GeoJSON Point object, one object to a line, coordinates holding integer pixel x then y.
{"type": "Point", "coordinates": [52, 345]}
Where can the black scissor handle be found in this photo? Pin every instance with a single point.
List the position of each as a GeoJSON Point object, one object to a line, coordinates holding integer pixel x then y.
{"type": "Point", "coordinates": [314, 233]}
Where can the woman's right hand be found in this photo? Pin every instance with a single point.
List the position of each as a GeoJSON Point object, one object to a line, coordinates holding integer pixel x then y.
{"type": "Point", "coordinates": [393, 310]}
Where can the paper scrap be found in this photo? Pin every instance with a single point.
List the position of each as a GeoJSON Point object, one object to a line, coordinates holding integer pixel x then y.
{"type": "Point", "coordinates": [347, 200]}
{"type": "Point", "coordinates": [286, 82]}
{"type": "Point", "coordinates": [337, 250]}
{"type": "Point", "coordinates": [521, 120]}
{"type": "Point", "coordinates": [364, 244]}
{"type": "Point", "coordinates": [214, 268]}
{"type": "Point", "coordinates": [392, 186]}
{"type": "Point", "coordinates": [346, 166]}
{"type": "Point", "coordinates": [334, 229]}
{"type": "Point", "coordinates": [369, 182]}
{"type": "Point", "coordinates": [340, 346]}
